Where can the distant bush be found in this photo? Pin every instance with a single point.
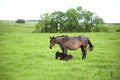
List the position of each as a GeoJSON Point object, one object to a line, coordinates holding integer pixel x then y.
{"type": "Point", "coordinates": [117, 30]}
{"type": "Point", "coordinates": [100, 28]}
{"type": "Point", "coordinates": [20, 21]}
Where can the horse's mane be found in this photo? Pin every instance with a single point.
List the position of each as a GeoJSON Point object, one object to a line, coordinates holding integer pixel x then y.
{"type": "Point", "coordinates": [62, 36]}
{"type": "Point", "coordinates": [59, 39]}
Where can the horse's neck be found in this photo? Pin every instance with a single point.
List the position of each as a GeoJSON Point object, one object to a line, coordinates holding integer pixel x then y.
{"type": "Point", "coordinates": [58, 41]}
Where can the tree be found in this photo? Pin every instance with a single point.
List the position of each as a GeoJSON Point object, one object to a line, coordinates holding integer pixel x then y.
{"type": "Point", "coordinates": [73, 20]}
{"type": "Point", "coordinates": [20, 21]}
{"type": "Point", "coordinates": [57, 20]}
{"type": "Point", "coordinates": [98, 20]}
{"type": "Point", "coordinates": [88, 20]}
{"type": "Point", "coordinates": [43, 25]}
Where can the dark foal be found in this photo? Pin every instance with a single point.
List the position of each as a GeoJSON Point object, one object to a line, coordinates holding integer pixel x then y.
{"type": "Point", "coordinates": [69, 56]}
{"type": "Point", "coordinates": [63, 56]}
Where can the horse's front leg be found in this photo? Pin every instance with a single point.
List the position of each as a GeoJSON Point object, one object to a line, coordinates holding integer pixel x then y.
{"type": "Point", "coordinates": [64, 50]}
{"type": "Point", "coordinates": [84, 52]}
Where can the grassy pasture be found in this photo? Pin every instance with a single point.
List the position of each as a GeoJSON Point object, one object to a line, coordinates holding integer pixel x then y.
{"type": "Point", "coordinates": [11, 27]}
{"type": "Point", "coordinates": [26, 56]}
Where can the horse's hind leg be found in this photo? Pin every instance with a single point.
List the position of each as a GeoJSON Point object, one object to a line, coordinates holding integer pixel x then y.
{"type": "Point", "coordinates": [84, 52]}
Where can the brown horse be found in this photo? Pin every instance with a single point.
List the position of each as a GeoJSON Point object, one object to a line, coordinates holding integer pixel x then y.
{"type": "Point", "coordinates": [72, 43]}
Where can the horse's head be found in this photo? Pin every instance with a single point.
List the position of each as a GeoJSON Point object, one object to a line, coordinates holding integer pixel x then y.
{"type": "Point", "coordinates": [52, 42]}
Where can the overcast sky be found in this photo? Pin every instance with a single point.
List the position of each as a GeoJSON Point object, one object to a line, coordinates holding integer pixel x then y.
{"type": "Point", "coordinates": [108, 10]}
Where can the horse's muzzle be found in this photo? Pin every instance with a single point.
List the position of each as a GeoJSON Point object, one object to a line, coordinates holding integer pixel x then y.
{"type": "Point", "coordinates": [50, 47]}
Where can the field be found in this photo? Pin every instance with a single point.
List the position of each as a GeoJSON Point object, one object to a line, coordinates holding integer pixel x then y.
{"type": "Point", "coordinates": [26, 56]}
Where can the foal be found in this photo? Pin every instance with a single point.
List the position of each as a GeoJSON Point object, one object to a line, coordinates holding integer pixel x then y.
{"type": "Point", "coordinates": [63, 56]}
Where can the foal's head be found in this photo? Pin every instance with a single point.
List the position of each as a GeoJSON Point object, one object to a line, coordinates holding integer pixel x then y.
{"type": "Point", "coordinates": [52, 42]}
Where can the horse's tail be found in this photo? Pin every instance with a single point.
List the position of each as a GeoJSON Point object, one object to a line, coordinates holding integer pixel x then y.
{"type": "Point", "coordinates": [90, 45]}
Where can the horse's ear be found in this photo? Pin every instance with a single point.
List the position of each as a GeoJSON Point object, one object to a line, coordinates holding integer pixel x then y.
{"type": "Point", "coordinates": [52, 37]}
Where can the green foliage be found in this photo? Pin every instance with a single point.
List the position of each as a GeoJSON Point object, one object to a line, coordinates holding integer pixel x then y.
{"type": "Point", "coordinates": [113, 27]}
{"type": "Point", "coordinates": [73, 20]}
{"type": "Point", "coordinates": [118, 30]}
{"type": "Point", "coordinates": [100, 28]}
{"type": "Point", "coordinates": [20, 21]}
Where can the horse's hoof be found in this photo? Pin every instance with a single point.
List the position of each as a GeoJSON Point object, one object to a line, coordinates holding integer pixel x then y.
{"type": "Point", "coordinates": [83, 58]}
{"type": "Point", "coordinates": [66, 60]}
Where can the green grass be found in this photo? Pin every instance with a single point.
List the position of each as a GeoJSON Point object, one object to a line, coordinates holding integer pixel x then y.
{"type": "Point", "coordinates": [12, 27]}
{"type": "Point", "coordinates": [26, 56]}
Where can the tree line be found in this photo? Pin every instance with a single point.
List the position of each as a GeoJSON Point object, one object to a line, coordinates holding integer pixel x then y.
{"type": "Point", "coordinates": [73, 20]}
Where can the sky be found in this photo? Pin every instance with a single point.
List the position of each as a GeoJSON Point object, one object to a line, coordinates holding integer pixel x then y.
{"type": "Point", "coordinates": [108, 10]}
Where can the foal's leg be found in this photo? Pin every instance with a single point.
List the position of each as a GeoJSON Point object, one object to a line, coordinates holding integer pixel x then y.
{"type": "Point", "coordinates": [84, 52]}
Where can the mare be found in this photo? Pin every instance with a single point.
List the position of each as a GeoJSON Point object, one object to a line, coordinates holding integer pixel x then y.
{"type": "Point", "coordinates": [72, 43]}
